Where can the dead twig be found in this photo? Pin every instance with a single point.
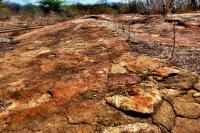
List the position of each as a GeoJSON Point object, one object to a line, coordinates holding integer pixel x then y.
{"type": "Point", "coordinates": [174, 41]}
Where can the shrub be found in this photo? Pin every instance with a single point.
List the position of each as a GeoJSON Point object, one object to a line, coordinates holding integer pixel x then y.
{"type": "Point", "coordinates": [31, 10]}
{"type": "Point", "coordinates": [4, 12]}
{"type": "Point", "coordinates": [80, 9]}
{"type": "Point", "coordinates": [48, 5]}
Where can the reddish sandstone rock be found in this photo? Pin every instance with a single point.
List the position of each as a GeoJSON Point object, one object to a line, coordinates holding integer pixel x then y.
{"type": "Point", "coordinates": [58, 77]}
{"type": "Point", "coordinates": [140, 99]}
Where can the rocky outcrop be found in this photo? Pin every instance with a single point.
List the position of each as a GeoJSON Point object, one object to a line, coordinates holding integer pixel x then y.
{"type": "Point", "coordinates": [80, 76]}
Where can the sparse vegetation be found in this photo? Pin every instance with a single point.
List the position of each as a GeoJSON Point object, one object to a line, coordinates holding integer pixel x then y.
{"type": "Point", "coordinates": [31, 10]}
{"type": "Point", "coordinates": [124, 7]}
{"type": "Point", "coordinates": [48, 5]}
{"type": "Point", "coordinates": [4, 12]}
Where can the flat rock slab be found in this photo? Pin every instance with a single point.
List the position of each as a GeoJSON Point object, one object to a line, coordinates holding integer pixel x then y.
{"type": "Point", "coordinates": [140, 99]}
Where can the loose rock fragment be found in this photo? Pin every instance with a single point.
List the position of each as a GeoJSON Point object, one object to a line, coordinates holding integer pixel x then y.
{"type": "Point", "coordinates": [133, 128]}
{"type": "Point", "coordinates": [118, 69]}
{"type": "Point", "coordinates": [142, 99]}
{"type": "Point", "coordinates": [164, 72]}
{"type": "Point", "coordinates": [9, 41]}
{"type": "Point", "coordinates": [39, 100]}
{"type": "Point", "coordinates": [196, 94]}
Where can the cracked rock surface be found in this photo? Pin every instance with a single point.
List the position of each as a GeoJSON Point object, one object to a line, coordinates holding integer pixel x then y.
{"type": "Point", "coordinates": [80, 76]}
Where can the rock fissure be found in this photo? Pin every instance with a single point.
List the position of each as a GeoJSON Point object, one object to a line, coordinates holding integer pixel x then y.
{"type": "Point", "coordinates": [162, 126]}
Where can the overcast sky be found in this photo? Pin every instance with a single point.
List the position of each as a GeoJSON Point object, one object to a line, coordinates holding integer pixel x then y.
{"type": "Point", "coordinates": [80, 1]}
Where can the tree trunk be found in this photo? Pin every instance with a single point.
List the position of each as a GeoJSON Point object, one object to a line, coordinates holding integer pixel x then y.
{"type": "Point", "coordinates": [170, 6]}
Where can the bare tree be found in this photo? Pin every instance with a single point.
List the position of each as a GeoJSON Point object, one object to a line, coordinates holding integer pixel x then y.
{"type": "Point", "coordinates": [164, 6]}
{"type": "Point", "coordinates": [193, 3]}
{"type": "Point", "coordinates": [170, 6]}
